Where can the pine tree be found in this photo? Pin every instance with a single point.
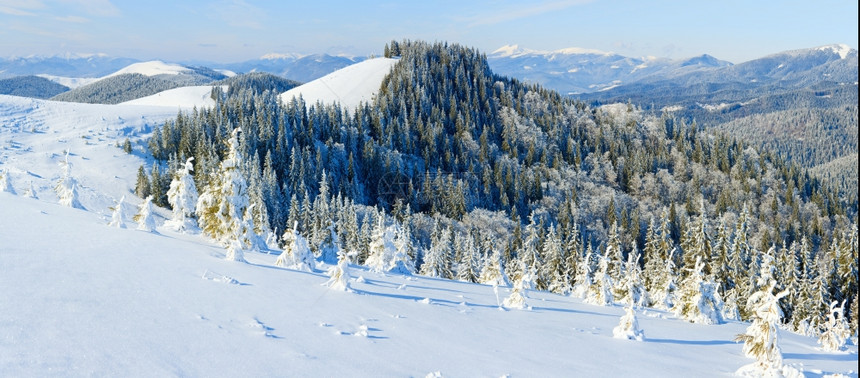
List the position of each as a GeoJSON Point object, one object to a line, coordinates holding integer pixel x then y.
{"type": "Point", "coordinates": [144, 218]}
{"type": "Point", "coordinates": [142, 187]}
{"type": "Point", "coordinates": [553, 266]}
{"type": "Point", "coordinates": [379, 258]}
{"type": "Point", "coordinates": [493, 272]}
{"type": "Point", "coordinates": [403, 260]}
{"type": "Point", "coordinates": [116, 215]}
{"type": "Point", "coordinates": [467, 265]}
{"type": "Point", "coordinates": [663, 294]}
{"type": "Point", "coordinates": [584, 275]}
{"type": "Point", "coordinates": [632, 280]}
{"type": "Point", "coordinates": [182, 197]}
{"type": "Point", "coordinates": [437, 259]}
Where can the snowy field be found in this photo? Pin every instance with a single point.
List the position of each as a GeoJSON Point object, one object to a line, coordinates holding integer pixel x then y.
{"type": "Point", "coordinates": [80, 298]}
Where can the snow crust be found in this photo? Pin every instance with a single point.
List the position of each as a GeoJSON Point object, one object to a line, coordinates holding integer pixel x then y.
{"type": "Point", "coordinates": [348, 86]}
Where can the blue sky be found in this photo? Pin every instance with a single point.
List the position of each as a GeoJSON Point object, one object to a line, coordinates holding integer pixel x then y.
{"type": "Point", "coordinates": [235, 30]}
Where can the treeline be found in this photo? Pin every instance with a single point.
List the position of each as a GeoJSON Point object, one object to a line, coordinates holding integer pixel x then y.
{"type": "Point", "coordinates": [473, 163]}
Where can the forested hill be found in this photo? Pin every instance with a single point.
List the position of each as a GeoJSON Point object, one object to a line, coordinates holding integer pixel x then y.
{"type": "Point", "coordinates": [471, 162]}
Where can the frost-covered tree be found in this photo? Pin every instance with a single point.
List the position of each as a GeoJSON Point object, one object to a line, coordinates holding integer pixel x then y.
{"type": "Point", "coordinates": [836, 329]}
{"type": "Point", "coordinates": [583, 279]}
{"type": "Point", "coordinates": [519, 293]}
{"type": "Point", "coordinates": [402, 260]}
{"type": "Point", "coordinates": [493, 272]}
{"type": "Point", "coordinates": [600, 291]}
{"type": "Point", "coordinates": [628, 327]}
{"type": "Point", "coordinates": [663, 293]}
{"type": "Point", "coordinates": [698, 300]}
{"type": "Point", "coordinates": [222, 205]}
{"type": "Point", "coordinates": [182, 197]}
{"type": "Point", "coordinates": [144, 217]}
{"type": "Point", "coordinates": [553, 266]}
{"type": "Point", "coordinates": [339, 274]}
{"type": "Point", "coordinates": [632, 280]}
{"type": "Point", "coordinates": [296, 255]}
{"type": "Point", "coordinates": [761, 340]}
{"type": "Point", "coordinates": [5, 185]}
{"type": "Point", "coordinates": [437, 259]}
{"type": "Point", "coordinates": [116, 215]}
{"type": "Point", "coordinates": [67, 187]}
{"type": "Point", "coordinates": [379, 257]}
{"type": "Point", "coordinates": [467, 266]}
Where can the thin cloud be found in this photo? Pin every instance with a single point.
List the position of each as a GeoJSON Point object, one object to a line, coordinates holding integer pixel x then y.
{"type": "Point", "coordinates": [102, 8]}
{"type": "Point", "coordinates": [522, 11]}
{"type": "Point", "coordinates": [20, 7]}
{"type": "Point", "coordinates": [73, 19]}
{"type": "Point", "coordinates": [239, 13]}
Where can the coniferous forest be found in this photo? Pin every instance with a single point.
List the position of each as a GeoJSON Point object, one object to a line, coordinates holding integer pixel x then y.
{"type": "Point", "coordinates": [477, 177]}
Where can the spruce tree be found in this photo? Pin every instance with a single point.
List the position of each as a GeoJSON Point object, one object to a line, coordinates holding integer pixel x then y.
{"type": "Point", "coordinates": [222, 205]}
{"type": "Point", "coordinates": [698, 300]}
{"type": "Point", "coordinates": [116, 215]}
{"type": "Point", "coordinates": [67, 187]}
{"type": "Point", "coordinates": [144, 218]}
{"type": "Point", "coordinates": [835, 330]}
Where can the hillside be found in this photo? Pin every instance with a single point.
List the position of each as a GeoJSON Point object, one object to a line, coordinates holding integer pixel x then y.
{"type": "Point", "coordinates": [348, 86]}
{"type": "Point", "coordinates": [117, 89]}
{"type": "Point", "coordinates": [31, 86]}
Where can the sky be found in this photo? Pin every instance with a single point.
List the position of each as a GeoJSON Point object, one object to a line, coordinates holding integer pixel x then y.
{"type": "Point", "coordinates": [236, 30]}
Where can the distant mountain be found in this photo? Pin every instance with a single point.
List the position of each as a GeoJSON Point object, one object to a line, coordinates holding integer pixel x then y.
{"type": "Point", "coordinates": [70, 65]}
{"type": "Point", "coordinates": [31, 86]}
{"type": "Point", "coordinates": [140, 80]}
{"type": "Point", "coordinates": [574, 70]}
{"type": "Point", "coordinates": [293, 66]}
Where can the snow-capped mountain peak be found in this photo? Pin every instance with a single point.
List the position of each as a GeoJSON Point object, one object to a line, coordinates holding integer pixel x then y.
{"type": "Point", "coordinates": [839, 48]}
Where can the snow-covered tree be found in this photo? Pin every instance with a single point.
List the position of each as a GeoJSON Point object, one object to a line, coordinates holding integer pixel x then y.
{"type": "Point", "coordinates": [698, 300]}
{"type": "Point", "coordinates": [296, 255]}
{"type": "Point", "coordinates": [519, 293]}
{"type": "Point", "coordinates": [67, 187]}
{"type": "Point", "coordinates": [553, 267]}
{"type": "Point", "coordinates": [116, 216]}
{"type": "Point", "coordinates": [437, 259]}
{"type": "Point", "coordinates": [493, 272]}
{"type": "Point", "coordinates": [339, 274]}
{"type": "Point", "coordinates": [761, 340]}
{"type": "Point", "coordinates": [222, 205]}
{"type": "Point", "coordinates": [144, 218]}
{"type": "Point", "coordinates": [183, 196]}
{"type": "Point", "coordinates": [379, 257]}
{"type": "Point", "coordinates": [663, 294]}
{"type": "Point", "coordinates": [467, 265]}
{"type": "Point", "coordinates": [600, 291]}
{"type": "Point", "coordinates": [31, 191]}
{"type": "Point", "coordinates": [836, 330]}
{"type": "Point", "coordinates": [632, 280]}
{"type": "Point", "coordinates": [584, 276]}
{"type": "Point", "coordinates": [5, 185]}
{"type": "Point", "coordinates": [402, 261]}
{"type": "Point", "coordinates": [628, 327]}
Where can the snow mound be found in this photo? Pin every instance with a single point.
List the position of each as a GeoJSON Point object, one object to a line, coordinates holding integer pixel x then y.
{"type": "Point", "coordinates": [184, 97]}
{"type": "Point", "coordinates": [152, 68]}
{"type": "Point", "coordinates": [348, 86]}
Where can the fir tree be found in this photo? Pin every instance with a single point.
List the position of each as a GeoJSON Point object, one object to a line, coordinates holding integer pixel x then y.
{"type": "Point", "coordinates": [628, 327]}
{"type": "Point", "coordinates": [222, 205]}
{"type": "Point", "coordinates": [663, 294]}
{"type": "Point", "coordinates": [339, 274]}
{"type": "Point", "coordinates": [519, 293]}
{"type": "Point", "coordinates": [698, 300]}
{"type": "Point", "coordinates": [493, 272]}
{"type": "Point", "coordinates": [296, 254]}
{"type": "Point", "coordinates": [600, 291]}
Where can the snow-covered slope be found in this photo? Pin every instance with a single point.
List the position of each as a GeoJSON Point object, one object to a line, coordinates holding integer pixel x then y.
{"type": "Point", "coordinates": [348, 86]}
{"type": "Point", "coordinates": [153, 68]}
{"type": "Point", "coordinates": [71, 82]}
{"type": "Point", "coordinates": [184, 97]}
{"type": "Point", "coordinates": [78, 298]}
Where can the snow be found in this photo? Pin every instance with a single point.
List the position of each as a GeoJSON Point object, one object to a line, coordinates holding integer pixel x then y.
{"type": "Point", "coordinates": [183, 97]}
{"type": "Point", "coordinates": [842, 49]}
{"type": "Point", "coordinates": [81, 298]}
{"type": "Point", "coordinates": [152, 68]}
{"type": "Point", "coordinates": [348, 86]}
{"type": "Point", "coordinates": [70, 82]}
{"type": "Point", "coordinates": [514, 51]}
